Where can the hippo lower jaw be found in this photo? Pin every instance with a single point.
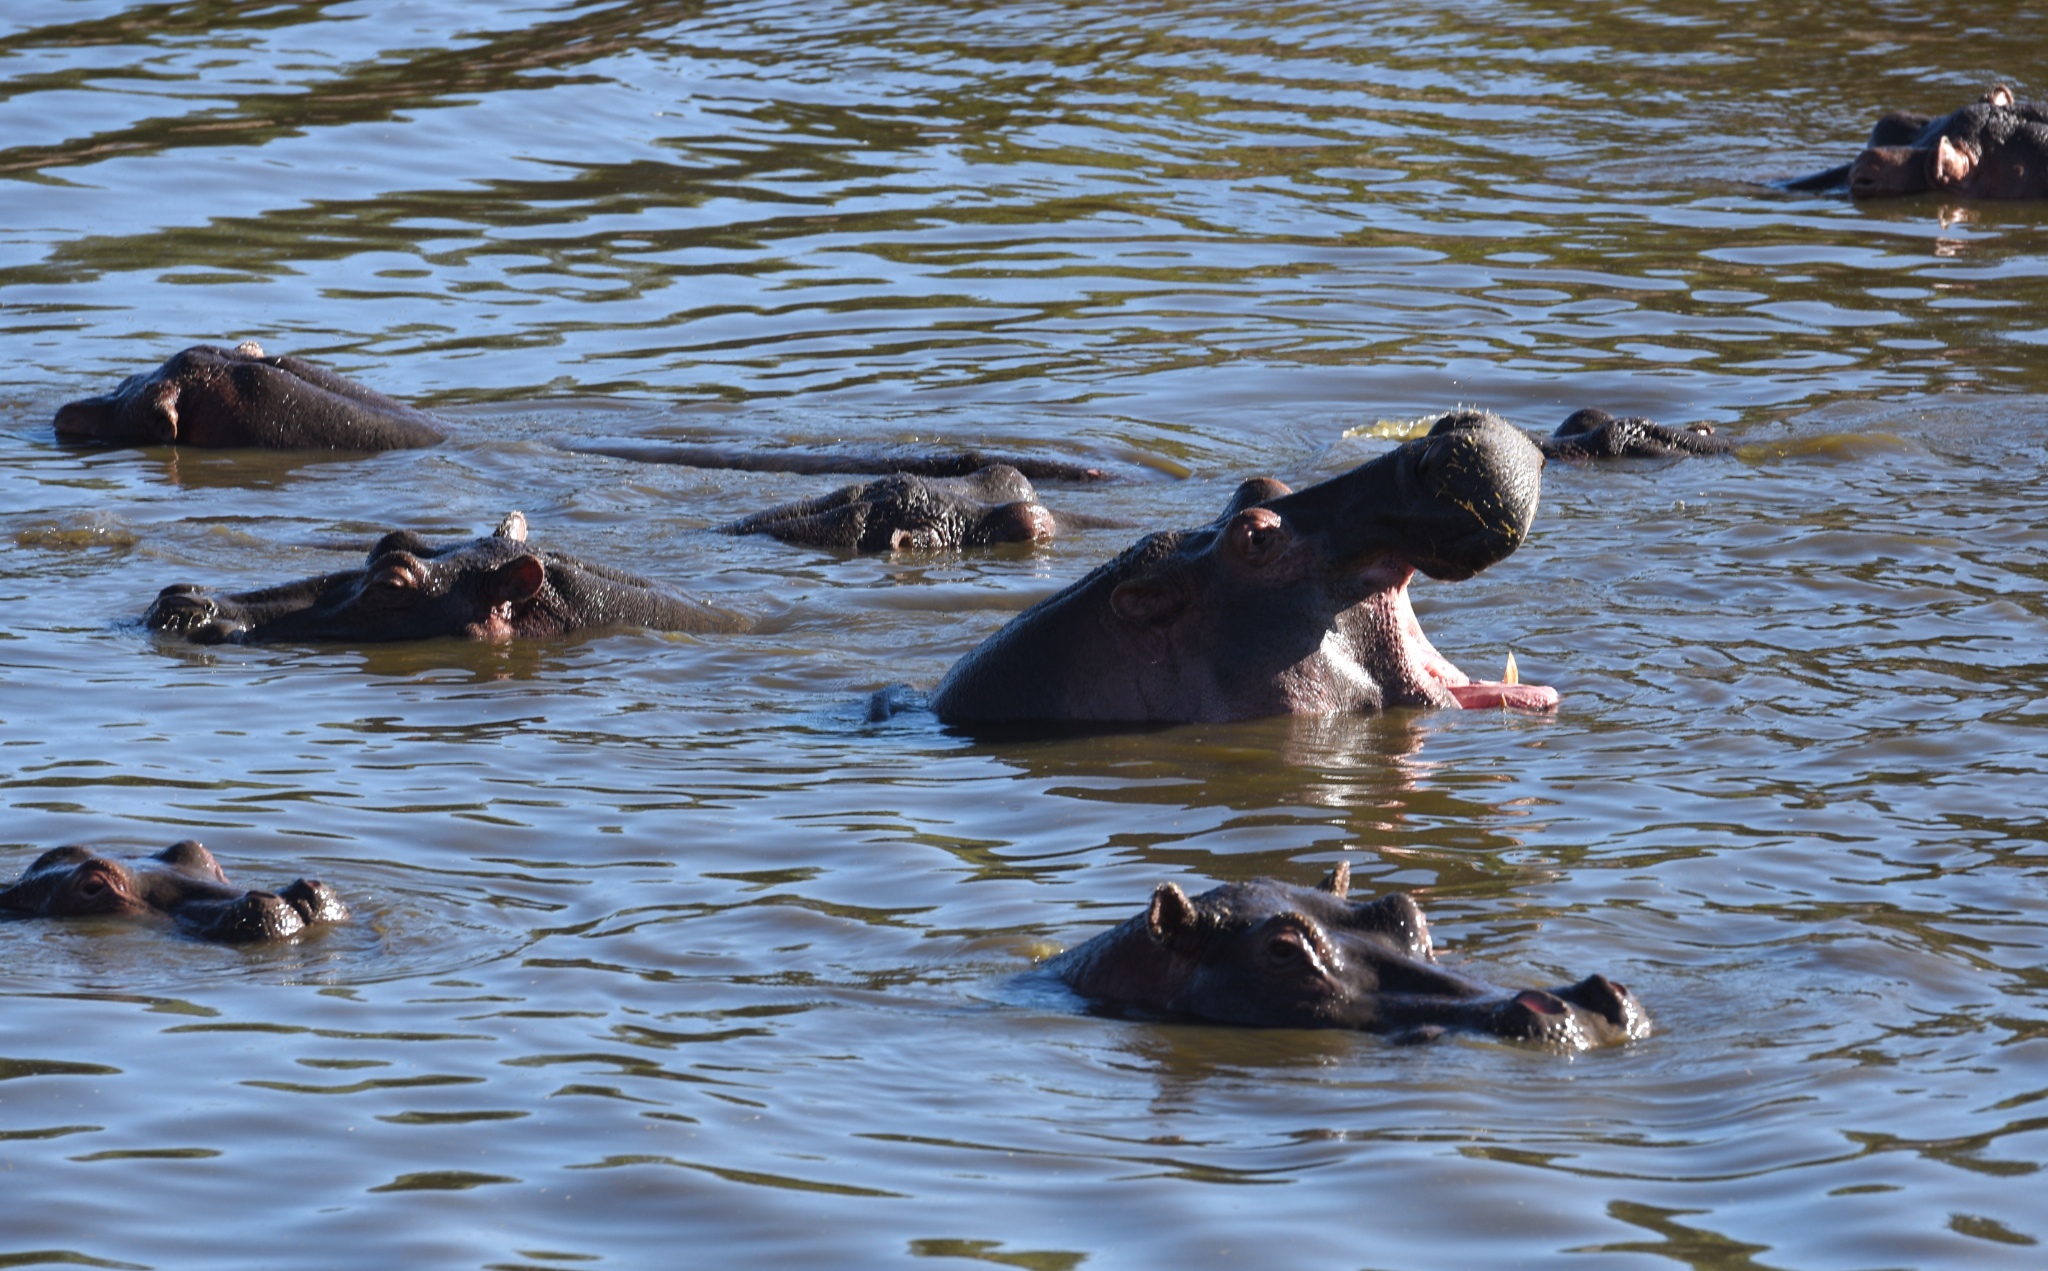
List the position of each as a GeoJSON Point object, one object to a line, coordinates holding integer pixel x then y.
{"type": "Point", "coordinates": [1413, 673]}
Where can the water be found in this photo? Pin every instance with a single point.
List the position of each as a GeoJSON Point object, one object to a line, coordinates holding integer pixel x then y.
{"type": "Point", "coordinates": [663, 954]}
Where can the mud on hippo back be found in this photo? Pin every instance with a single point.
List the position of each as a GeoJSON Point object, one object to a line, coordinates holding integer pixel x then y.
{"type": "Point", "coordinates": [493, 588]}
{"type": "Point", "coordinates": [182, 883]}
{"type": "Point", "coordinates": [209, 396]}
{"type": "Point", "coordinates": [1289, 603]}
{"type": "Point", "coordinates": [1268, 954]}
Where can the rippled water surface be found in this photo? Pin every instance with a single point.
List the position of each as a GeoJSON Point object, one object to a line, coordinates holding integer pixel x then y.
{"type": "Point", "coordinates": [664, 956]}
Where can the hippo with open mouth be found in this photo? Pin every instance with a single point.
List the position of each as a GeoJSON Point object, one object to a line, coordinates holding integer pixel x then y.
{"type": "Point", "coordinates": [182, 883]}
{"type": "Point", "coordinates": [208, 396]}
{"type": "Point", "coordinates": [492, 588]}
{"type": "Point", "coordinates": [1269, 954]}
{"type": "Point", "coordinates": [1291, 602]}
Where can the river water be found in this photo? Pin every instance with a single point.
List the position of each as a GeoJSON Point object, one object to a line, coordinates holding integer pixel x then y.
{"type": "Point", "coordinates": [663, 955]}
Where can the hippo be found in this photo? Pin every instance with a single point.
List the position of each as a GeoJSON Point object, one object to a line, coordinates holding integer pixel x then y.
{"type": "Point", "coordinates": [1993, 148]}
{"type": "Point", "coordinates": [209, 396]}
{"type": "Point", "coordinates": [1290, 602]}
{"type": "Point", "coordinates": [1268, 954]}
{"type": "Point", "coordinates": [182, 883]}
{"type": "Point", "coordinates": [964, 463]}
{"type": "Point", "coordinates": [1594, 434]}
{"type": "Point", "coordinates": [907, 512]}
{"type": "Point", "coordinates": [492, 588]}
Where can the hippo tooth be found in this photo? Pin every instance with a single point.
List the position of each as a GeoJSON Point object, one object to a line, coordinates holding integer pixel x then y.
{"type": "Point", "coordinates": [1511, 675]}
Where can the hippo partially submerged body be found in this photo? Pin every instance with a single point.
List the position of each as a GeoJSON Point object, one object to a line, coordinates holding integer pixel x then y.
{"type": "Point", "coordinates": [493, 588]}
{"type": "Point", "coordinates": [1272, 955]}
{"type": "Point", "coordinates": [182, 883]}
{"type": "Point", "coordinates": [1993, 148]}
{"type": "Point", "coordinates": [875, 462]}
{"type": "Point", "coordinates": [1595, 434]}
{"type": "Point", "coordinates": [907, 512]}
{"type": "Point", "coordinates": [1288, 603]}
{"type": "Point", "coordinates": [208, 396]}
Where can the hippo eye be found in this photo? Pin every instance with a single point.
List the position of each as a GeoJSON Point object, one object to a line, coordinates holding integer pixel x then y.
{"type": "Point", "coordinates": [91, 887]}
{"type": "Point", "coordinates": [1283, 950]}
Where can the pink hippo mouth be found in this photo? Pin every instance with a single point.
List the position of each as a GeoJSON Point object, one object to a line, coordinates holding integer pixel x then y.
{"type": "Point", "coordinates": [1419, 675]}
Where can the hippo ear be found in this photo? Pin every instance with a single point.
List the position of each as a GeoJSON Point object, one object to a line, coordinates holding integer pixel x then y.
{"type": "Point", "coordinates": [517, 579]}
{"type": "Point", "coordinates": [1172, 920]}
{"type": "Point", "coordinates": [512, 527]}
{"type": "Point", "coordinates": [190, 856]}
{"type": "Point", "coordinates": [1338, 881]}
{"type": "Point", "coordinates": [160, 414]}
{"type": "Point", "coordinates": [1148, 602]}
{"type": "Point", "coordinates": [2000, 95]}
{"type": "Point", "coordinates": [1952, 163]}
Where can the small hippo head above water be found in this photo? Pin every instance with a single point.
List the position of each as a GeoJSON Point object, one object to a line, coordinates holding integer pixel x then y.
{"type": "Point", "coordinates": [1289, 603]}
{"type": "Point", "coordinates": [1272, 955]}
{"type": "Point", "coordinates": [492, 588]}
{"type": "Point", "coordinates": [208, 396]}
{"type": "Point", "coordinates": [1993, 148]}
{"type": "Point", "coordinates": [183, 883]}
{"type": "Point", "coordinates": [909, 512]}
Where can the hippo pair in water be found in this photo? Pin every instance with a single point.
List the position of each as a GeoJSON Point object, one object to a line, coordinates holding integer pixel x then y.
{"type": "Point", "coordinates": [1271, 955]}
{"type": "Point", "coordinates": [1993, 148]}
{"type": "Point", "coordinates": [182, 883]}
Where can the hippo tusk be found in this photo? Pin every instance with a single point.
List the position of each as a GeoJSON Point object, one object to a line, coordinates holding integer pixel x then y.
{"type": "Point", "coordinates": [1511, 675]}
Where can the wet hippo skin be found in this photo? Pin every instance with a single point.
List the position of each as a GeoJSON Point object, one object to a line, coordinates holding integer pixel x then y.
{"type": "Point", "coordinates": [494, 588]}
{"type": "Point", "coordinates": [906, 512]}
{"type": "Point", "coordinates": [1288, 603]}
{"type": "Point", "coordinates": [182, 883]}
{"type": "Point", "coordinates": [208, 396]}
{"type": "Point", "coordinates": [1269, 954]}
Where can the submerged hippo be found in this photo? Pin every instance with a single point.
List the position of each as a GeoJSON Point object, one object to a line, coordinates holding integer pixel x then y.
{"type": "Point", "coordinates": [884, 462]}
{"type": "Point", "coordinates": [1272, 955]}
{"type": "Point", "coordinates": [1595, 434]}
{"type": "Point", "coordinates": [1993, 148]}
{"type": "Point", "coordinates": [208, 396]}
{"type": "Point", "coordinates": [183, 883]}
{"type": "Point", "coordinates": [905, 512]}
{"type": "Point", "coordinates": [494, 588]}
{"type": "Point", "coordinates": [1288, 603]}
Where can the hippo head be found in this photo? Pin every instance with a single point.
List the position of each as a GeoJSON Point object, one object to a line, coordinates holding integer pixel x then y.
{"type": "Point", "coordinates": [407, 590]}
{"type": "Point", "coordinates": [183, 882]}
{"type": "Point", "coordinates": [209, 396]}
{"type": "Point", "coordinates": [909, 512]}
{"type": "Point", "coordinates": [1289, 603]}
{"type": "Point", "coordinates": [1270, 954]}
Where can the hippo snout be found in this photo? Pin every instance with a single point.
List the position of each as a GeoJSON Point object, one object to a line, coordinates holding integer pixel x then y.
{"type": "Point", "coordinates": [1594, 1011]}
{"type": "Point", "coordinates": [186, 609]}
{"type": "Point", "coordinates": [81, 419]}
